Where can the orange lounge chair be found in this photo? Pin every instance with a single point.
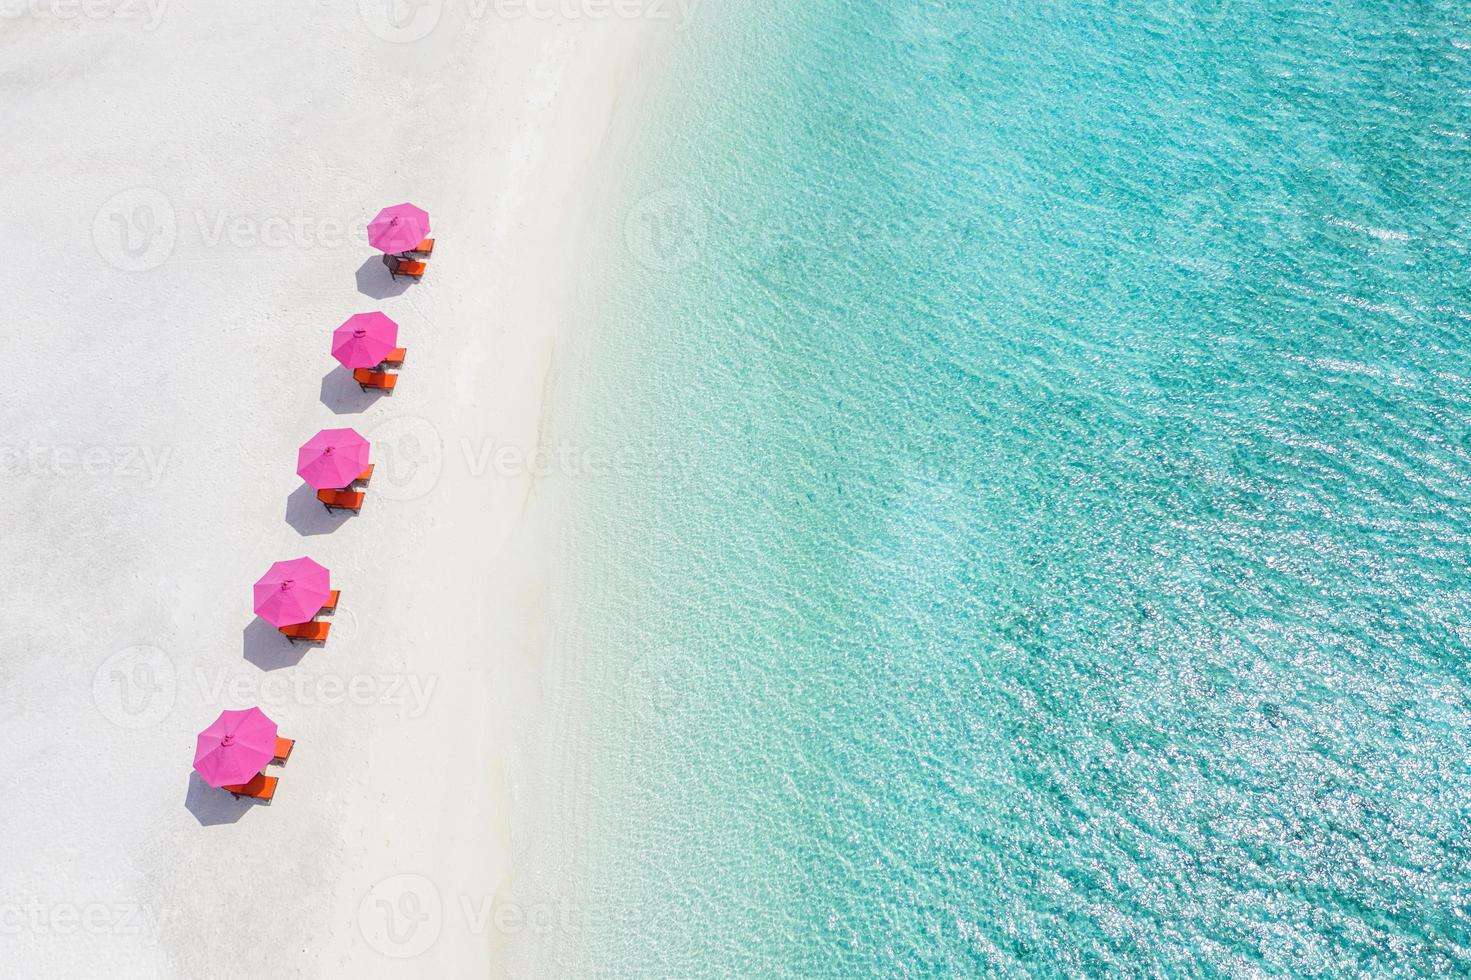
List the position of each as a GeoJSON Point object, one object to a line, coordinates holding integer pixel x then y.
{"type": "Point", "coordinates": [405, 267]}
{"type": "Point", "coordinates": [377, 380]}
{"type": "Point", "coordinates": [364, 476]}
{"type": "Point", "coordinates": [341, 499]}
{"type": "Point", "coordinates": [312, 632]}
{"type": "Point", "coordinates": [262, 787]}
{"type": "Point", "coordinates": [426, 247]}
{"type": "Point", "coordinates": [395, 357]}
{"type": "Point", "coordinates": [331, 603]}
{"type": "Point", "coordinates": [283, 750]}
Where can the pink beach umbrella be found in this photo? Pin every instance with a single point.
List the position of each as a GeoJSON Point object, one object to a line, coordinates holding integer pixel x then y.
{"type": "Point", "coordinates": [235, 748]}
{"type": "Point", "coordinates": [332, 459]}
{"type": "Point", "coordinates": [364, 340]}
{"type": "Point", "coordinates": [292, 592]}
{"type": "Point", "coordinates": [398, 228]}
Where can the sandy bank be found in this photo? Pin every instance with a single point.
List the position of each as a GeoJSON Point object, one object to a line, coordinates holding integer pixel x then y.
{"type": "Point", "coordinates": [190, 182]}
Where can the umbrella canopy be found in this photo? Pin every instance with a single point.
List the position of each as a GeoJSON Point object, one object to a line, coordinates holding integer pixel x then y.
{"type": "Point", "coordinates": [332, 459]}
{"type": "Point", "coordinates": [292, 592]}
{"type": "Point", "coordinates": [235, 747]}
{"type": "Point", "coordinates": [398, 228]}
{"type": "Point", "coordinates": [364, 340]}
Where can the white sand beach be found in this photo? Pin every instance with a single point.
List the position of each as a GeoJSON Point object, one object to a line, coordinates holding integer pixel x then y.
{"type": "Point", "coordinates": [187, 186]}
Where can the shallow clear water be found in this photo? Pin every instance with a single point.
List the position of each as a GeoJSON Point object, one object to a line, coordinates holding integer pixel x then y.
{"type": "Point", "coordinates": [1042, 531]}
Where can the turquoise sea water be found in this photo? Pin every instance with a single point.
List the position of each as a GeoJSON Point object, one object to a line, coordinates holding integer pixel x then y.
{"type": "Point", "coordinates": [1042, 543]}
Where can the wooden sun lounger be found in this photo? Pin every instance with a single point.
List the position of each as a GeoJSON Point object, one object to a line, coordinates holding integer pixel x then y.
{"type": "Point", "coordinates": [341, 499]}
{"type": "Point", "coordinates": [426, 247]}
{"type": "Point", "coordinates": [377, 380]}
{"type": "Point", "coordinates": [395, 357]}
{"type": "Point", "coordinates": [312, 632]}
{"type": "Point", "coordinates": [331, 603]}
{"type": "Point", "coordinates": [283, 750]}
{"type": "Point", "coordinates": [262, 787]}
{"type": "Point", "coordinates": [405, 267]}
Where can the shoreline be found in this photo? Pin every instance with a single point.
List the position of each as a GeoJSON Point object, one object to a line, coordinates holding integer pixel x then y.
{"type": "Point", "coordinates": [387, 849]}
{"type": "Point", "coordinates": [550, 912]}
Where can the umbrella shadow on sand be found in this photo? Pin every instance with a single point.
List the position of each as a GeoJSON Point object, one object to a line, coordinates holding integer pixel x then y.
{"type": "Point", "coordinates": [211, 806]}
{"type": "Point", "coordinates": [343, 395]}
{"type": "Point", "coordinates": [376, 281]}
{"type": "Point", "coordinates": [305, 513]}
{"type": "Point", "coordinates": [264, 646]}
